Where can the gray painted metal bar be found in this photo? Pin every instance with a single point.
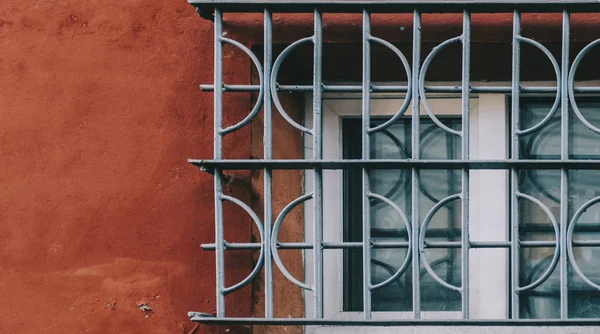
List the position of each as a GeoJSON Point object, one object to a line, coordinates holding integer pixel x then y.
{"type": "Point", "coordinates": [399, 6]}
{"type": "Point", "coordinates": [397, 89]}
{"type": "Point", "coordinates": [232, 164]}
{"type": "Point", "coordinates": [218, 154]}
{"type": "Point", "coordinates": [204, 318]}
{"type": "Point", "coordinates": [268, 155]}
{"type": "Point", "coordinates": [366, 148]}
{"type": "Point", "coordinates": [415, 184]}
{"type": "Point", "coordinates": [514, 177]}
{"type": "Point", "coordinates": [564, 173]}
{"type": "Point", "coordinates": [318, 172]}
{"type": "Point", "coordinates": [466, 124]}
{"type": "Point", "coordinates": [399, 244]}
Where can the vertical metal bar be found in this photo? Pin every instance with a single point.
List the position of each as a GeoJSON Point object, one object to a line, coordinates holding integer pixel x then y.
{"type": "Point", "coordinates": [366, 147]}
{"type": "Point", "coordinates": [564, 155]}
{"type": "Point", "coordinates": [514, 178]}
{"type": "Point", "coordinates": [466, 94]}
{"type": "Point", "coordinates": [451, 214]}
{"type": "Point", "coordinates": [218, 105]}
{"type": "Point", "coordinates": [416, 114]}
{"type": "Point", "coordinates": [318, 173]}
{"type": "Point", "coordinates": [268, 155]}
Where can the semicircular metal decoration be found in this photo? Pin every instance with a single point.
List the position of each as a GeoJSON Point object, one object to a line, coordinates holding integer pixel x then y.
{"type": "Point", "coordinates": [273, 83]}
{"type": "Point", "coordinates": [426, 222]}
{"type": "Point", "coordinates": [261, 92]}
{"type": "Point", "coordinates": [407, 259]}
{"type": "Point", "coordinates": [261, 257]}
{"type": "Point", "coordinates": [275, 242]}
{"type": "Point", "coordinates": [556, 255]}
{"type": "Point", "coordinates": [556, 104]}
{"type": "Point", "coordinates": [570, 252]}
{"type": "Point", "coordinates": [422, 75]}
{"type": "Point", "coordinates": [571, 85]}
{"type": "Point", "coordinates": [407, 98]}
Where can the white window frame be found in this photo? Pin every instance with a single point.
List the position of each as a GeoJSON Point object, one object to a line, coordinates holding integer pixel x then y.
{"type": "Point", "coordinates": [487, 112]}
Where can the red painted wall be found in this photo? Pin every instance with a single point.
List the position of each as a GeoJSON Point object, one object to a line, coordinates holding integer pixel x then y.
{"type": "Point", "coordinates": [99, 110]}
{"type": "Point", "coordinates": [99, 210]}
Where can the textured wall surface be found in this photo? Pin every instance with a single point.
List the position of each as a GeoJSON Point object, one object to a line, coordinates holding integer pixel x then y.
{"type": "Point", "coordinates": [99, 110]}
{"type": "Point", "coordinates": [99, 209]}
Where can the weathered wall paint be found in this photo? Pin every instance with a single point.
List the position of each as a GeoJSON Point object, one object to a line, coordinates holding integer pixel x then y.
{"type": "Point", "coordinates": [99, 110]}
{"type": "Point", "coordinates": [99, 210]}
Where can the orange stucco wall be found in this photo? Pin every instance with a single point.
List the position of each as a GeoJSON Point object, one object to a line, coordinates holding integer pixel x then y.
{"type": "Point", "coordinates": [99, 210]}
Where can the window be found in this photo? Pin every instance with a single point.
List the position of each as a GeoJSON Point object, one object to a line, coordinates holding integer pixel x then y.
{"type": "Point", "coordinates": [342, 198]}
{"type": "Point", "coordinates": [388, 225]}
{"type": "Point", "coordinates": [584, 301]}
{"type": "Point", "coordinates": [489, 210]}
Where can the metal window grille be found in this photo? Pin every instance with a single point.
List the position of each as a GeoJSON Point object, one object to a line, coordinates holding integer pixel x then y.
{"type": "Point", "coordinates": [565, 91]}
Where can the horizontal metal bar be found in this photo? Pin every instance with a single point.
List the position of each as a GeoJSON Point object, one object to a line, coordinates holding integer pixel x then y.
{"type": "Point", "coordinates": [305, 245]}
{"type": "Point", "coordinates": [490, 89]}
{"type": "Point", "coordinates": [233, 246]}
{"type": "Point", "coordinates": [398, 6]}
{"type": "Point", "coordinates": [587, 89]}
{"type": "Point", "coordinates": [231, 88]}
{"type": "Point", "coordinates": [506, 244]}
{"type": "Point", "coordinates": [343, 88]}
{"type": "Point", "coordinates": [210, 165]}
{"type": "Point", "coordinates": [537, 243]}
{"type": "Point", "coordinates": [401, 244]}
{"type": "Point", "coordinates": [388, 244]}
{"type": "Point", "coordinates": [294, 245]}
{"type": "Point", "coordinates": [307, 88]}
{"type": "Point", "coordinates": [552, 244]}
{"type": "Point", "coordinates": [442, 244]}
{"type": "Point", "coordinates": [490, 244]}
{"type": "Point", "coordinates": [586, 243]}
{"type": "Point", "coordinates": [396, 89]}
{"type": "Point", "coordinates": [588, 227]}
{"type": "Point", "coordinates": [325, 245]}
{"type": "Point", "coordinates": [506, 89]}
{"type": "Point", "coordinates": [209, 319]}
{"type": "Point", "coordinates": [295, 88]}
{"type": "Point", "coordinates": [473, 244]}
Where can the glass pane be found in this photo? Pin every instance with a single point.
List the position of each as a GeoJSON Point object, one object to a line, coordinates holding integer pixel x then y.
{"type": "Point", "coordinates": [387, 225]}
{"type": "Point", "coordinates": [544, 301]}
